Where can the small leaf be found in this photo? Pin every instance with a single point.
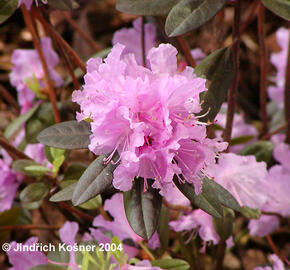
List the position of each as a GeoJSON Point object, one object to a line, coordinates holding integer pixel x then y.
{"type": "Point", "coordinates": [31, 205]}
{"type": "Point", "coordinates": [279, 7]}
{"type": "Point", "coordinates": [218, 69]}
{"type": "Point", "coordinates": [63, 4]}
{"type": "Point", "coordinates": [262, 150]}
{"type": "Point", "coordinates": [118, 254]}
{"type": "Point", "coordinates": [36, 170]}
{"type": "Point", "coordinates": [65, 194]}
{"type": "Point", "coordinates": [241, 140]}
{"type": "Point", "coordinates": [7, 8]}
{"type": "Point", "coordinates": [211, 199]}
{"type": "Point", "coordinates": [251, 213]}
{"type": "Point", "coordinates": [19, 121]}
{"type": "Point", "coordinates": [93, 203]}
{"type": "Point", "coordinates": [191, 14]}
{"type": "Point", "coordinates": [146, 7]}
{"type": "Point", "coordinates": [66, 135]}
{"type": "Point", "coordinates": [95, 180]}
{"type": "Point", "coordinates": [20, 165]}
{"type": "Point", "coordinates": [143, 208]}
{"type": "Point", "coordinates": [171, 264]}
{"type": "Point", "coordinates": [224, 226]}
{"type": "Point", "coordinates": [34, 192]}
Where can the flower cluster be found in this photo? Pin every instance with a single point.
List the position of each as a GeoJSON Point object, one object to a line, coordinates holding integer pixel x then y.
{"type": "Point", "coordinates": [147, 116]}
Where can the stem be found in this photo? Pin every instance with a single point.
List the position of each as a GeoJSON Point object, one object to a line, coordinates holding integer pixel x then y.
{"type": "Point", "coordinates": [287, 96]}
{"type": "Point", "coordinates": [28, 227]}
{"type": "Point", "coordinates": [272, 245]}
{"type": "Point", "coordinates": [233, 89]}
{"type": "Point", "coordinates": [263, 69]}
{"type": "Point", "coordinates": [269, 135]}
{"type": "Point", "coordinates": [9, 98]}
{"type": "Point", "coordinates": [143, 41]}
{"type": "Point", "coordinates": [84, 35]}
{"type": "Point", "coordinates": [76, 211]}
{"type": "Point", "coordinates": [144, 247]}
{"type": "Point", "coordinates": [186, 51]}
{"type": "Point", "coordinates": [29, 23]}
{"type": "Point", "coordinates": [221, 250]}
{"type": "Point", "coordinates": [61, 42]}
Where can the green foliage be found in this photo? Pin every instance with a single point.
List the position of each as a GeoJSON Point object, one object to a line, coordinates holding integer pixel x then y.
{"type": "Point", "coordinates": [66, 135]}
{"type": "Point", "coordinates": [28, 167]}
{"type": "Point", "coordinates": [171, 264]}
{"type": "Point", "coordinates": [146, 7]}
{"type": "Point", "coordinates": [34, 192]}
{"type": "Point", "coordinates": [74, 171]}
{"type": "Point", "coordinates": [224, 226]}
{"type": "Point", "coordinates": [143, 208]}
{"type": "Point", "coordinates": [7, 8]}
{"type": "Point", "coordinates": [65, 194]}
{"type": "Point", "coordinates": [262, 150]}
{"type": "Point", "coordinates": [93, 203]}
{"type": "Point", "coordinates": [279, 7]}
{"type": "Point", "coordinates": [251, 213]}
{"type": "Point", "coordinates": [212, 198]}
{"type": "Point", "coordinates": [96, 179]}
{"type": "Point", "coordinates": [218, 69]}
{"type": "Point", "coordinates": [163, 228]}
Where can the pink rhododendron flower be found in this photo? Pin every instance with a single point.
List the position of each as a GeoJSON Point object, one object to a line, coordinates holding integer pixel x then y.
{"type": "Point", "coordinates": [243, 176]}
{"type": "Point", "coordinates": [240, 128]}
{"type": "Point", "coordinates": [277, 264]}
{"type": "Point", "coordinates": [198, 55]}
{"type": "Point", "coordinates": [27, 66]}
{"type": "Point", "coordinates": [279, 60]}
{"type": "Point", "coordinates": [147, 116]}
{"type": "Point", "coordinates": [131, 39]}
{"type": "Point", "coordinates": [25, 260]}
{"type": "Point", "coordinates": [264, 225]}
{"type": "Point", "coordinates": [120, 226]}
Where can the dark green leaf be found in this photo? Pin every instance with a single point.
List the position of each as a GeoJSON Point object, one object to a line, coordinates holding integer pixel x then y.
{"type": "Point", "coordinates": [142, 208]}
{"type": "Point", "coordinates": [31, 205]}
{"type": "Point", "coordinates": [95, 180]}
{"type": "Point", "coordinates": [218, 69]}
{"type": "Point", "coordinates": [20, 165]}
{"type": "Point", "coordinates": [146, 7]}
{"type": "Point", "coordinates": [262, 150]}
{"type": "Point", "coordinates": [66, 135]}
{"type": "Point", "coordinates": [171, 264]}
{"type": "Point", "coordinates": [279, 7]}
{"type": "Point", "coordinates": [63, 4]}
{"type": "Point", "coordinates": [224, 226]}
{"type": "Point", "coordinates": [211, 199]}
{"type": "Point", "coordinates": [251, 213]}
{"type": "Point", "coordinates": [34, 192]}
{"type": "Point", "coordinates": [163, 228]}
{"type": "Point", "coordinates": [241, 140]}
{"type": "Point", "coordinates": [19, 121]}
{"type": "Point", "coordinates": [7, 8]}
{"type": "Point", "coordinates": [65, 194]}
{"type": "Point", "coordinates": [9, 217]}
{"type": "Point", "coordinates": [191, 14]}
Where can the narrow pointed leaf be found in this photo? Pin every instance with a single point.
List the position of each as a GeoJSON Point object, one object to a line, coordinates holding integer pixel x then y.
{"type": "Point", "coordinates": [66, 135]}
{"type": "Point", "coordinates": [96, 179]}
{"type": "Point", "coordinates": [224, 226]}
{"type": "Point", "coordinates": [171, 264]}
{"type": "Point", "coordinates": [142, 208]}
{"type": "Point", "coordinates": [218, 69]}
{"type": "Point", "coordinates": [191, 14]}
{"type": "Point", "coordinates": [65, 194]}
{"type": "Point", "coordinates": [20, 165]}
{"type": "Point", "coordinates": [279, 7]}
{"type": "Point", "coordinates": [146, 7]}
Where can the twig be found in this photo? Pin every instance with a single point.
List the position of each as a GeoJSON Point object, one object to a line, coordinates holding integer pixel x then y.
{"type": "Point", "coordinates": [272, 245]}
{"type": "Point", "coordinates": [28, 227]}
{"type": "Point", "coordinates": [84, 35]}
{"type": "Point", "coordinates": [29, 23]}
{"type": "Point", "coordinates": [143, 44]}
{"type": "Point", "coordinates": [76, 211]}
{"type": "Point", "coordinates": [233, 89]}
{"type": "Point", "coordinates": [287, 96]}
{"type": "Point", "coordinates": [186, 51]}
{"type": "Point", "coordinates": [9, 98]}
{"type": "Point", "coordinates": [269, 135]}
{"type": "Point", "coordinates": [58, 38]}
{"type": "Point", "coordinates": [263, 69]}
{"type": "Point", "coordinates": [144, 247]}
{"type": "Point", "coordinates": [221, 249]}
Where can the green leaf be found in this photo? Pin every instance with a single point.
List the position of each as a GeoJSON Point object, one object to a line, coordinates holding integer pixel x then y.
{"type": "Point", "coordinates": [163, 228]}
{"type": "Point", "coordinates": [146, 7]}
{"type": "Point", "coordinates": [36, 169]}
{"type": "Point", "coordinates": [93, 203]}
{"type": "Point", "coordinates": [279, 7]}
{"type": "Point", "coordinates": [63, 4]}
{"type": "Point", "coordinates": [218, 69]}
{"type": "Point", "coordinates": [65, 194]}
{"type": "Point", "coordinates": [118, 254]}
{"type": "Point", "coordinates": [66, 135]}
{"type": "Point", "coordinates": [191, 14]}
{"type": "Point", "coordinates": [8, 217]}
{"type": "Point", "coordinates": [20, 165]}
{"type": "Point", "coordinates": [143, 208]}
{"type": "Point", "coordinates": [34, 192]}
{"type": "Point", "coordinates": [47, 267]}
{"type": "Point", "coordinates": [7, 8]}
{"type": "Point", "coordinates": [19, 121]}
{"type": "Point", "coordinates": [251, 213]}
{"type": "Point", "coordinates": [241, 140]}
{"type": "Point", "coordinates": [262, 150]}
{"type": "Point", "coordinates": [95, 180]}
{"type": "Point", "coordinates": [211, 199]}
{"type": "Point", "coordinates": [171, 264]}
{"type": "Point", "coordinates": [224, 226]}
{"type": "Point", "coordinates": [31, 205]}
{"type": "Point", "coordinates": [74, 171]}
